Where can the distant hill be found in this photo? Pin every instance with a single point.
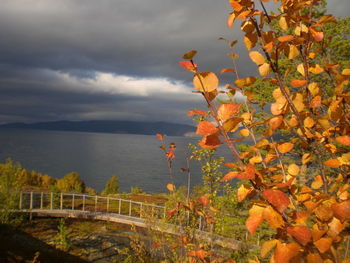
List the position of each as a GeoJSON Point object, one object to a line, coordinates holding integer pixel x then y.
{"type": "Point", "coordinates": [128, 127]}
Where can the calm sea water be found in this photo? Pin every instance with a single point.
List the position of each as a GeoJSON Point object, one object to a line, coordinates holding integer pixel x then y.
{"type": "Point", "coordinates": [136, 159]}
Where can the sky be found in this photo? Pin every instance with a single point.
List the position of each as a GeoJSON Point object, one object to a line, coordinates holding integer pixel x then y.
{"type": "Point", "coordinates": [112, 59]}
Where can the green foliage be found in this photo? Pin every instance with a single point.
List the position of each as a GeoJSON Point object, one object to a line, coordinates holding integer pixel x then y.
{"type": "Point", "coordinates": [112, 186]}
{"type": "Point", "coordinates": [62, 240]}
{"type": "Point", "coordinates": [136, 190]}
{"type": "Point", "coordinates": [71, 183]}
{"type": "Point", "coordinates": [10, 186]}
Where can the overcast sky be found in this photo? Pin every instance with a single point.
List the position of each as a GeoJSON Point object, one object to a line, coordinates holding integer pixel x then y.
{"type": "Point", "coordinates": [110, 59]}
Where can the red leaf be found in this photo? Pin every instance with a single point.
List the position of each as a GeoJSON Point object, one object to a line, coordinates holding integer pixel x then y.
{"type": "Point", "coordinates": [196, 112]}
{"type": "Point", "coordinates": [229, 176]}
{"type": "Point", "coordinates": [323, 244]}
{"type": "Point", "coordinates": [253, 221]}
{"type": "Point", "coordinates": [248, 174]}
{"type": "Point", "coordinates": [301, 233]}
{"type": "Point", "coordinates": [277, 198]}
{"type": "Point", "coordinates": [206, 128]}
{"type": "Point", "coordinates": [188, 66]}
{"type": "Point", "coordinates": [317, 35]}
{"type": "Point", "coordinates": [210, 142]}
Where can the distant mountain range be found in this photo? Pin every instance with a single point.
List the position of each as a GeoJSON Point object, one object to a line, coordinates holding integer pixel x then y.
{"type": "Point", "coordinates": [128, 127]}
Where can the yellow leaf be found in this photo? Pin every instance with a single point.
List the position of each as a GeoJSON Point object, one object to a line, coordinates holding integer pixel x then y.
{"type": "Point", "coordinates": [346, 72]}
{"type": "Point", "coordinates": [205, 81]}
{"type": "Point", "coordinates": [242, 192]}
{"type": "Point", "coordinates": [244, 132]}
{"type": "Point", "coordinates": [255, 159]}
{"type": "Point", "coordinates": [267, 247]}
{"type": "Point", "coordinates": [306, 158]}
{"type": "Point", "coordinates": [283, 23]}
{"type": "Point", "coordinates": [170, 187]}
{"type": "Point", "coordinates": [313, 88]}
{"type": "Point", "coordinates": [264, 69]}
{"type": "Point", "coordinates": [316, 69]}
{"type": "Point", "coordinates": [257, 58]}
{"type": "Point", "coordinates": [300, 69]}
{"type": "Point", "coordinates": [292, 51]}
{"type": "Point", "coordinates": [309, 122]}
{"type": "Point", "coordinates": [250, 40]}
{"type": "Point", "coordinates": [293, 169]}
{"type": "Point", "coordinates": [298, 101]}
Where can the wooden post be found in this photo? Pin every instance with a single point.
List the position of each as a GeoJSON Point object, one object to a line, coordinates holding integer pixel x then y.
{"type": "Point", "coordinates": [120, 206]}
{"type": "Point", "coordinates": [51, 200]}
{"type": "Point", "coordinates": [141, 208]}
{"type": "Point", "coordinates": [107, 204]}
{"type": "Point", "coordinates": [61, 201]}
{"type": "Point", "coordinates": [200, 223]}
{"type": "Point", "coordinates": [20, 200]}
{"type": "Point", "coordinates": [129, 207]}
{"type": "Point", "coordinates": [73, 199]}
{"type": "Point", "coordinates": [95, 203]}
{"type": "Point", "coordinates": [41, 200]}
{"type": "Point", "coordinates": [164, 214]}
{"type": "Point", "coordinates": [83, 202]}
{"type": "Point", "coordinates": [152, 213]}
{"type": "Point", "coordinates": [31, 200]}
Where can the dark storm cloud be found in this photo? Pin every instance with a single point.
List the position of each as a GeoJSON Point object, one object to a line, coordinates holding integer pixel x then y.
{"type": "Point", "coordinates": [108, 59]}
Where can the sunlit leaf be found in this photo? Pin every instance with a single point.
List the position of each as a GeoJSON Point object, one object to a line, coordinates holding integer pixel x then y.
{"type": "Point", "coordinates": [242, 192]}
{"type": "Point", "coordinates": [316, 69]}
{"type": "Point", "coordinates": [317, 35]}
{"type": "Point", "coordinates": [323, 244]}
{"type": "Point", "coordinates": [285, 147]}
{"type": "Point", "coordinates": [301, 233]}
{"type": "Point", "coordinates": [284, 253]}
{"type": "Point", "coordinates": [226, 110]}
{"type": "Point", "coordinates": [160, 136]}
{"type": "Point", "coordinates": [301, 69]}
{"type": "Point", "coordinates": [296, 83]}
{"type": "Point", "coordinates": [231, 19]}
{"type": "Point", "coordinates": [205, 81]}
{"type": "Point", "coordinates": [264, 69]}
{"type": "Point", "coordinates": [188, 66]}
{"type": "Point", "coordinates": [225, 70]}
{"type": "Point", "coordinates": [332, 163]}
{"type": "Point", "coordinates": [206, 128]}
{"type": "Point", "coordinates": [293, 169]}
{"type": "Point", "coordinates": [204, 200]}
{"type": "Point", "coordinates": [250, 40]}
{"type": "Point", "coordinates": [257, 58]}
{"type": "Point", "coordinates": [170, 187]}
{"type": "Point", "coordinates": [253, 221]}
{"type": "Point", "coordinates": [267, 246]}
{"type": "Point", "coordinates": [273, 218]}
{"type": "Point", "coordinates": [345, 140]}
{"type": "Point", "coordinates": [342, 210]}
{"type": "Point", "coordinates": [196, 112]}
{"type": "Point", "coordinates": [285, 38]}
{"type": "Point", "coordinates": [314, 258]}
{"type": "Point", "coordinates": [277, 198]}
{"type": "Point", "coordinates": [317, 182]}
{"type": "Point", "coordinates": [244, 132]}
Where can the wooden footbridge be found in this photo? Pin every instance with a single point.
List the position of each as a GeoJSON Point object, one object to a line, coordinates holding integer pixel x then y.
{"type": "Point", "coordinates": [125, 211]}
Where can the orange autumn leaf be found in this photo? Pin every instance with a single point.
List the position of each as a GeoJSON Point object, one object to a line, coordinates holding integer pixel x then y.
{"type": "Point", "coordinates": [231, 19]}
{"type": "Point", "coordinates": [332, 163]}
{"type": "Point", "coordinates": [323, 244]}
{"type": "Point", "coordinates": [257, 58]}
{"type": "Point", "coordinates": [210, 142]}
{"type": "Point", "coordinates": [229, 176]}
{"type": "Point", "coordinates": [188, 66]}
{"type": "Point", "coordinates": [170, 187]}
{"type": "Point", "coordinates": [285, 147]}
{"type": "Point", "coordinates": [284, 253]}
{"type": "Point", "coordinates": [253, 221]}
{"type": "Point", "coordinates": [276, 122]}
{"type": "Point", "coordinates": [206, 128]}
{"type": "Point", "coordinates": [226, 110]}
{"type": "Point", "coordinates": [342, 210]}
{"type": "Point", "coordinates": [277, 198]}
{"type": "Point", "coordinates": [225, 70]}
{"type": "Point", "coordinates": [317, 35]}
{"type": "Point", "coordinates": [203, 200]}
{"type": "Point", "coordinates": [273, 218]}
{"type": "Point", "coordinates": [345, 140]}
{"type": "Point", "coordinates": [249, 173]}
{"type": "Point", "coordinates": [301, 233]}
{"type": "Point", "coordinates": [160, 136]}
{"type": "Point", "coordinates": [285, 38]}
{"type": "Point", "coordinates": [296, 83]}
{"type": "Point", "coordinates": [196, 112]}
{"type": "Point", "coordinates": [268, 246]}
{"type": "Point", "coordinates": [314, 258]}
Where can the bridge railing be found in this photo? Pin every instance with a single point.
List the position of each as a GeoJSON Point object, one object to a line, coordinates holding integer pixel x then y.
{"type": "Point", "coordinates": [30, 200]}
